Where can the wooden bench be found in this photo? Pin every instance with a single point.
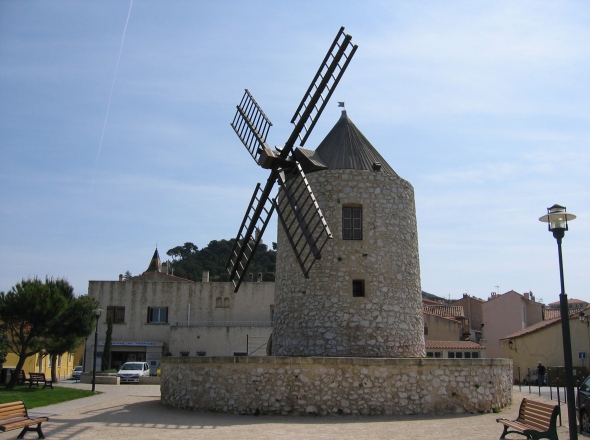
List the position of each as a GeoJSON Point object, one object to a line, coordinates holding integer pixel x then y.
{"type": "Point", "coordinates": [35, 378]}
{"type": "Point", "coordinates": [535, 420]}
{"type": "Point", "coordinates": [14, 415]}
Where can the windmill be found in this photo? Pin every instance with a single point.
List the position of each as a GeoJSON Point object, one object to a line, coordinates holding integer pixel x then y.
{"type": "Point", "coordinates": [297, 208]}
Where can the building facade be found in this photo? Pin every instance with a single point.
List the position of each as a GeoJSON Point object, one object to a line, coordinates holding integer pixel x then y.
{"type": "Point", "coordinates": [508, 313]}
{"type": "Point", "coordinates": [41, 363]}
{"type": "Point", "coordinates": [543, 342]}
{"type": "Point", "coordinates": [156, 314]}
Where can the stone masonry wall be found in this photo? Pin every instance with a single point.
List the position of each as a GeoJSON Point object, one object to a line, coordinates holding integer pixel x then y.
{"type": "Point", "coordinates": [323, 386]}
{"type": "Point", "coordinates": [319, 316]}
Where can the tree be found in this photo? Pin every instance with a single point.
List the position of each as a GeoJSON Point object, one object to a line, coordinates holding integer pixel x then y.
{"type": "Point", "coordinates": [106, 355]}
{"type": "Point", "coordinates": [44, 317]}
{"type": "Point", "coordinates": [3, 348]}
{"type": "Point", "coordinates": [127, 276]}
{"type": "Point", "coordinates": [189, 262]}
{"type": "Point", "coordinates": [28, 312]}
{"type": "Point", "coordinates": [77, 322]}
{"type": "Point", "coordinates": [185, 261]}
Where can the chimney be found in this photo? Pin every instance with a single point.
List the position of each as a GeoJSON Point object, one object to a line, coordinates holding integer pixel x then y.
{"type": "Point", "coordinates": [205, 276]}
{"type": "Point", "coordinates": [526, 295]}
{"type": "Point", "coordinates": [120, 277]}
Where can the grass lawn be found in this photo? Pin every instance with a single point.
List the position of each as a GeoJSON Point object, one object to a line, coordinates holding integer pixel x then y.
{"type": "Point", "coordinates": [35, 397]}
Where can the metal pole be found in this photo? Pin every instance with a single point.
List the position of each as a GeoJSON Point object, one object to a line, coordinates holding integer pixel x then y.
{"type": "Point", "coordinates": [567, 345]}
{"type": "Point", "coordinates": [94, 367]}
{"type": "Point", "coordinates": [84, 362]}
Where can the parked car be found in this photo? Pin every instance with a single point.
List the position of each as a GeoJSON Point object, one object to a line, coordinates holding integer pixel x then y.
{"type": "Point", "coordinates": [77, 372]}
{"type": "Point", "coordinates": [132, 371]}
{"type": "Point", "coordinates": [583, 405]}
{"type": "Point", "coordinates": [532, 378]}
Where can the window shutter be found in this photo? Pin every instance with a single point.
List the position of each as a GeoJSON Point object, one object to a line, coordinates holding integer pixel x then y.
{"type": "Point", "coordinates": [166, 320]}
{"type": "Point", "coordinates": [149, 314]}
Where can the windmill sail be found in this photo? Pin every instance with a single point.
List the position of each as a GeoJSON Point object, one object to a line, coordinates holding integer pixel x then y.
{"type": "Point", "coordinates": [255, 221]}
{"type": "Point", "coordinates": [321, 88]}
{"type": "Point", "coordinates": [298, 209]}
{"type": "Point", "coordinates": [302, 219]}
{"type": "Point", "coordinates": [251, 125]}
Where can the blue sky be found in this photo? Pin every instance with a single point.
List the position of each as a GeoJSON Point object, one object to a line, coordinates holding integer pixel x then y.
{"type": "Point", "coordinates": [115, 135]}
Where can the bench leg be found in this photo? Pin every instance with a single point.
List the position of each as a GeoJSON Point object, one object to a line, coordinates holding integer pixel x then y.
{"type": "Point", "coordinates": [505, 432]}
{"type": "Point", "coordinates": [28, 428]}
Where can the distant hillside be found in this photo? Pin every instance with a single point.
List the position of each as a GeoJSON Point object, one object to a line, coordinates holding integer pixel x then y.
{"type": "Point", "coordinates": [188, 261]}
{"type": "Point", "coordinates": [432, 297]}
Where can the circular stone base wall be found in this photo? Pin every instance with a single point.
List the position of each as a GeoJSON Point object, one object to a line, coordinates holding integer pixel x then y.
{"type": "Point", "coordinates": [322, 386]}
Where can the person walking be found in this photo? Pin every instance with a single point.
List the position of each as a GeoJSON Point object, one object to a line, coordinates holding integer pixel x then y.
{"type": "Point", "coordinates": [541, 371]}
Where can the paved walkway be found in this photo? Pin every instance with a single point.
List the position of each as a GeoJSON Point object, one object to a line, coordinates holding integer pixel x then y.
{"type": "Point", "coordinates": [135, 411]}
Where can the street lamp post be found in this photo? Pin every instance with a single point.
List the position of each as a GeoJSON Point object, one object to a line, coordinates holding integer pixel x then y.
{"type": "Point", "coordinates": [84, 363]}
{"type": "Point", "coordinates": [557, 219]}
{"type": "Point", "coordinates": [97, 313]}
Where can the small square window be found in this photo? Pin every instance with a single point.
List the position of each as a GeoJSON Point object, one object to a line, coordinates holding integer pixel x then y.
{"type": "Point", "coordinates": [358, 288]}
{"type": "Point", "coordinates": [425, 331]}
{"type": "Point", "coordinates": [157, 315]}
{"type": "Point", "coordinates": [116, 313]}
{"type": "Point", "coordinates": [451, 355]}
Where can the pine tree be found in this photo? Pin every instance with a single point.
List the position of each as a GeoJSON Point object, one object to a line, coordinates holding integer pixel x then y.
{"type": "Point", "coordinates": [106, 355]}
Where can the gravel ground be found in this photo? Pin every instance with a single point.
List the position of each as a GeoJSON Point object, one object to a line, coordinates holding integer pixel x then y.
{"type": "Point", "coordinates": [127, 411]}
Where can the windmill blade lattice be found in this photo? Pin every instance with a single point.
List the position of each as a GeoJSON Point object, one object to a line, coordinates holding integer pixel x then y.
{"type": "Point", "coordinates": [251, 125]}
{"type": "Point", "coordinates": [321, 88]}
{"type": "Point", "coordinates": [298, 209]}
{"type": "Point", "coordinates": [302, 219]}
{"type": "Point", "coordinates": [253, 226]}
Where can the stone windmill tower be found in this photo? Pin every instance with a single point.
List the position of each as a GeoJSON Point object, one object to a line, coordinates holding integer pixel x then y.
{"type": "Point", "coordinates": [363, 297]}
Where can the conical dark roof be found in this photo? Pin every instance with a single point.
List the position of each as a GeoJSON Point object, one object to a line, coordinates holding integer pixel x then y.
{"type": "Point", "coordinates": [155, 263]}
{"type": "Point", "coordinates": [345, 147]}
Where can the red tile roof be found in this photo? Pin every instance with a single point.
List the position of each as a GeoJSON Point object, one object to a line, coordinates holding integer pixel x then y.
{"type": "Point", "coordinates": [556, 313]}
{"type": "Point", "coordinates": [569, 301]}
{"type": "Point", "coordinates": [444, 311]}
{"type": "Point", "coordinates": [458, 345]}
{"type": "Point", "coordinates": [533, 328]}
{"type": "Point", "coordinates": [147, 275]}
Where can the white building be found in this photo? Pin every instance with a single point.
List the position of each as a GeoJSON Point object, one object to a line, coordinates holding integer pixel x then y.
{"type": "Point", "coordinates": [156, 314]}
